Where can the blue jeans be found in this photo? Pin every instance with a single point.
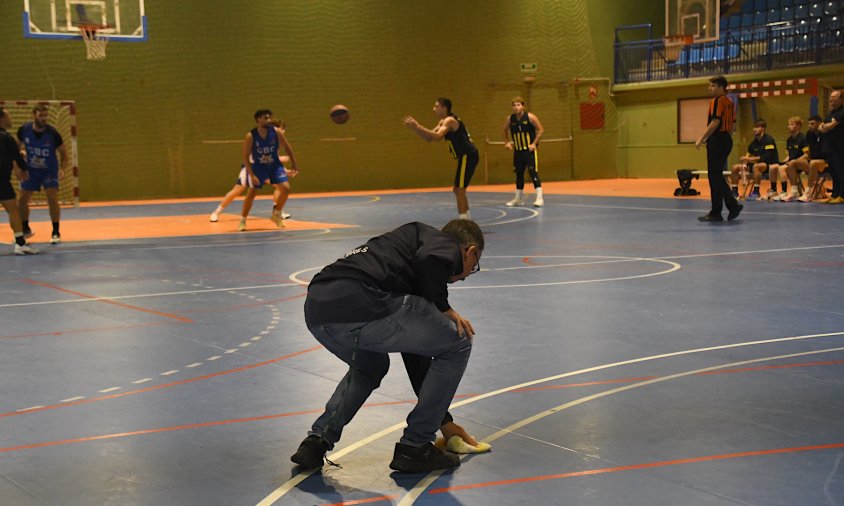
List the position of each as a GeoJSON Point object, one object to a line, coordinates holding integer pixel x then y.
{"type": "Point", "coordinates": [418, 327]}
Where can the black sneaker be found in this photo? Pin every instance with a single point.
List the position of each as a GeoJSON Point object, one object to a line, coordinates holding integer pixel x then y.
{"type": "Point", "coordinates": [419, 459]}
{"type": "Point", "coordinates": [735, 212]}
{"type": "Point", "coordinates": [311, 452]}
{"type": "Point", "coordinates": [710, 218]}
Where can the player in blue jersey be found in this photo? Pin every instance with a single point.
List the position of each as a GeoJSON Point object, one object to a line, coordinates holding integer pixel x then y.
{"type": "Point", "coordinates": [40, 143]}
{"type": "Point", "coordinates": [261, 162]}
{"type": "Point", "coordinates": [241, 183]}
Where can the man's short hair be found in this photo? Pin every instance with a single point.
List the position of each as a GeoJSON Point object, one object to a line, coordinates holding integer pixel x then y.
{"type": "Point", "coordinates": [262, 112]}
{"type": "Point", "coordinates": [517, 100]}
{"type": "Point", "coordinates": [719, 81]}
{"type": "Point", "coordinates": [40, 108]}
{"type": "Point", "coordinates": [796, 119]}
{"type": "Point", "coordinates": [816, 118]}
{"type": "Point", "coordinates": [445, 103]}
{"type": "Point", "coordinates": [467, 232]}
{"type": "Point", "coordinates": [761, 123]}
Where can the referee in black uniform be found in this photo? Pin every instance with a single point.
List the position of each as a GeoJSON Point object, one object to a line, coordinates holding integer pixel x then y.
{"type": "Point", "coordinates": [719, 143]}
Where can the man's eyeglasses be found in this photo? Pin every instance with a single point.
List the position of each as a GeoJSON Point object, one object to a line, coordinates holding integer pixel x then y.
{"type": "Point", "coordinates": [477, 266]}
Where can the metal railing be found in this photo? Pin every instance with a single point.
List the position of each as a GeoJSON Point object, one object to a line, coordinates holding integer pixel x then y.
{"type": "Point", "coordinates": [814, 41]}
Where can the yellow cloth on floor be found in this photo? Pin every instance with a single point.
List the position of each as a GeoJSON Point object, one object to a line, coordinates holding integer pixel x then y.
{"type": "Point", "coordinates": [457, 445]}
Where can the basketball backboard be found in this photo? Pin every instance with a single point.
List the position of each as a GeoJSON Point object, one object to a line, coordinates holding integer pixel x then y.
{"type": "Point", "coordinates": [121, 20]}
{"type": "Point", "coordinates": [697, 18]}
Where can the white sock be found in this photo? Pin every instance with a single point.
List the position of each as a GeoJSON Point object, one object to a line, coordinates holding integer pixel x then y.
{"type": "Point", "coordinates": [539, 192]}
{"type": "Point", "coordinates": [219, 210]}
{"type": "Point", "coordinates": [465, 216]}
{"type": "Point", "coordinates": [520, 194]}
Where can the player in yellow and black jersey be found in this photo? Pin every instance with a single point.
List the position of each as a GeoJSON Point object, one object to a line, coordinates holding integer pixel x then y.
{"type": "Point", "coordinates": [452, 129]}
{"type": "Point", "coordinates": [522, 131]}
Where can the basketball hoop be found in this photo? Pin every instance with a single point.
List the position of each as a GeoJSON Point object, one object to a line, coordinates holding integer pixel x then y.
{"type": "Point", "coordinates": [95, 43]}
{"type": "Point", "coordinates": [674, 44]}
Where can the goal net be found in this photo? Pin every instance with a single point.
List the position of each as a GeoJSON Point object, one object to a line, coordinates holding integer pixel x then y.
{"type": "Point", "coordinates": [62, 116]}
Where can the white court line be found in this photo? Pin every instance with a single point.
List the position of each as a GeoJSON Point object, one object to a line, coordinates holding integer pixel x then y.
{"type": "Point", "coordinates": [145, 295]}
{"type": "Point", "coordinates": [321, 232]}
{"type": "Point", "coordinates": [674, 267]}
{"type": "Point", "coordinates": [751, 252]}
{"type": "Point", "coordinates": [532, 213]}
{"type": "Point", "coordinates": [292, 482]}
{"type": "Point", "coordinates": [746, 210]}
{"type": "Point", "coordinates": [420, 488]}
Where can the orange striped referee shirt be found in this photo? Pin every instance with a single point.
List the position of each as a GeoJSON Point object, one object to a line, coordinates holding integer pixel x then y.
{"type": "Point", "coordinates": [722, 108]}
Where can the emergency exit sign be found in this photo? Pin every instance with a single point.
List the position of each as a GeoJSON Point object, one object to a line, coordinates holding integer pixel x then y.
{"type": "Point", "coordinates": [528, 68]}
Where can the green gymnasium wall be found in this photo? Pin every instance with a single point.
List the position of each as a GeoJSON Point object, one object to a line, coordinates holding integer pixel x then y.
{"type": "Point", "coordinates": [647, 120]}
{"type": "Point", "coordinates": [147, 113]}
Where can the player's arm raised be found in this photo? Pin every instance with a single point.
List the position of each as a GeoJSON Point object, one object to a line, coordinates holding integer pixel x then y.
{"type": "Point", "coordinates": [247, 153]}
{"type": "Point", "coordinates": [539, 130]}
{"type": "Point", "coordinates": [443, 127]}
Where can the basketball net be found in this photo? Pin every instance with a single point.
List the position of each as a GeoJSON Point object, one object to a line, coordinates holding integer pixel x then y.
{"type": "Point", "coordinates": [95, 43]}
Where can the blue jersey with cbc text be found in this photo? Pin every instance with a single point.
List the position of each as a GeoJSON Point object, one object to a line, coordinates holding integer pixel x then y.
{"type": "Point", "coordinates": [265, 149]}
{"type": "Point", "coordinates": [41, 147]}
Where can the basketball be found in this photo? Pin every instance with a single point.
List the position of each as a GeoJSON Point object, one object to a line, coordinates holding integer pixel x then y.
{"type": "Point", "coordinates": [339, 114]}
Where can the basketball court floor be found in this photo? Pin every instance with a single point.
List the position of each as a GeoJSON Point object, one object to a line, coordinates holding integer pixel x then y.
{"type": "Point", "coordinates": [626, 354]}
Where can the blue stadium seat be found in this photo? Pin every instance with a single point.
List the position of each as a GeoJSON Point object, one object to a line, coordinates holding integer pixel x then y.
{"type": "Point", "coordinates": [773, 4]}
{"type": "Point", "coordinates": [723, 25]}
{"type": "Point", "coordinates": [801, 11]}
{"type": "Point", "coordinates": [746, 19]}
{"type": "Point", "coordinates": [774, 15]}
{"type": "Point", "coordinates": [735, 21]}
{"type": "Point", "coordinates": [816, 9]}
{"type": "Point", "coordinates": [786, 13]}
{"type": "Point", "coordinates": [787, 3]}
{"type": "Point", "coordinates": [803, 27]}
{"type": "Point", "coordinates": [694, 55]}
{"type": "Point", "coordinates": [760, 18]}
{"type": "Point", "coordinates": [831, 7]}
{"type": "Point", "coordinates": [748, 6]}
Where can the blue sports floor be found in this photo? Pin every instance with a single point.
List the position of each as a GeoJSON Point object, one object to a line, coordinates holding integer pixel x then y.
{"type": "Point", "coordinates": [626, 354]}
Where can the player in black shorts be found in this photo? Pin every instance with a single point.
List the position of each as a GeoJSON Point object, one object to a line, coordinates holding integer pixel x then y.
{"type": "Point", "coordinates": [452, 129]}
{"type": "Point", "coordinates": [10, 155]}
{"type": "Point", "coordinates": [816, 163]}
{"type": "Point", "coordinates": [522, 131]}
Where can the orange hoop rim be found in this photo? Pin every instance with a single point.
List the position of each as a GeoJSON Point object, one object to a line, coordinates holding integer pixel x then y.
{"type": "Point", "coordinates": [92, 27]}
{"type": "Point", "coordinates": [677, 40]}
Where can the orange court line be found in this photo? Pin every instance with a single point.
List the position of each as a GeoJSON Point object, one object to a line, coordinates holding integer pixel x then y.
{"type": "Point", "coordinates": [167, 226]}
{"type": "Point", "coordinates": [161, 387]}
{"type": "Point", "coordinates": [77, 331]}
{"type": "Point", "coordinates": [107, 301]}
{"type": "Point", "coordinates": [646, 465]}
{"type": "Point", "coordinates": [618, 187]}
{"type": "Point", "coordinates": [267, 417]}
{"type": "Point", "coordinates": [197, 225]}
